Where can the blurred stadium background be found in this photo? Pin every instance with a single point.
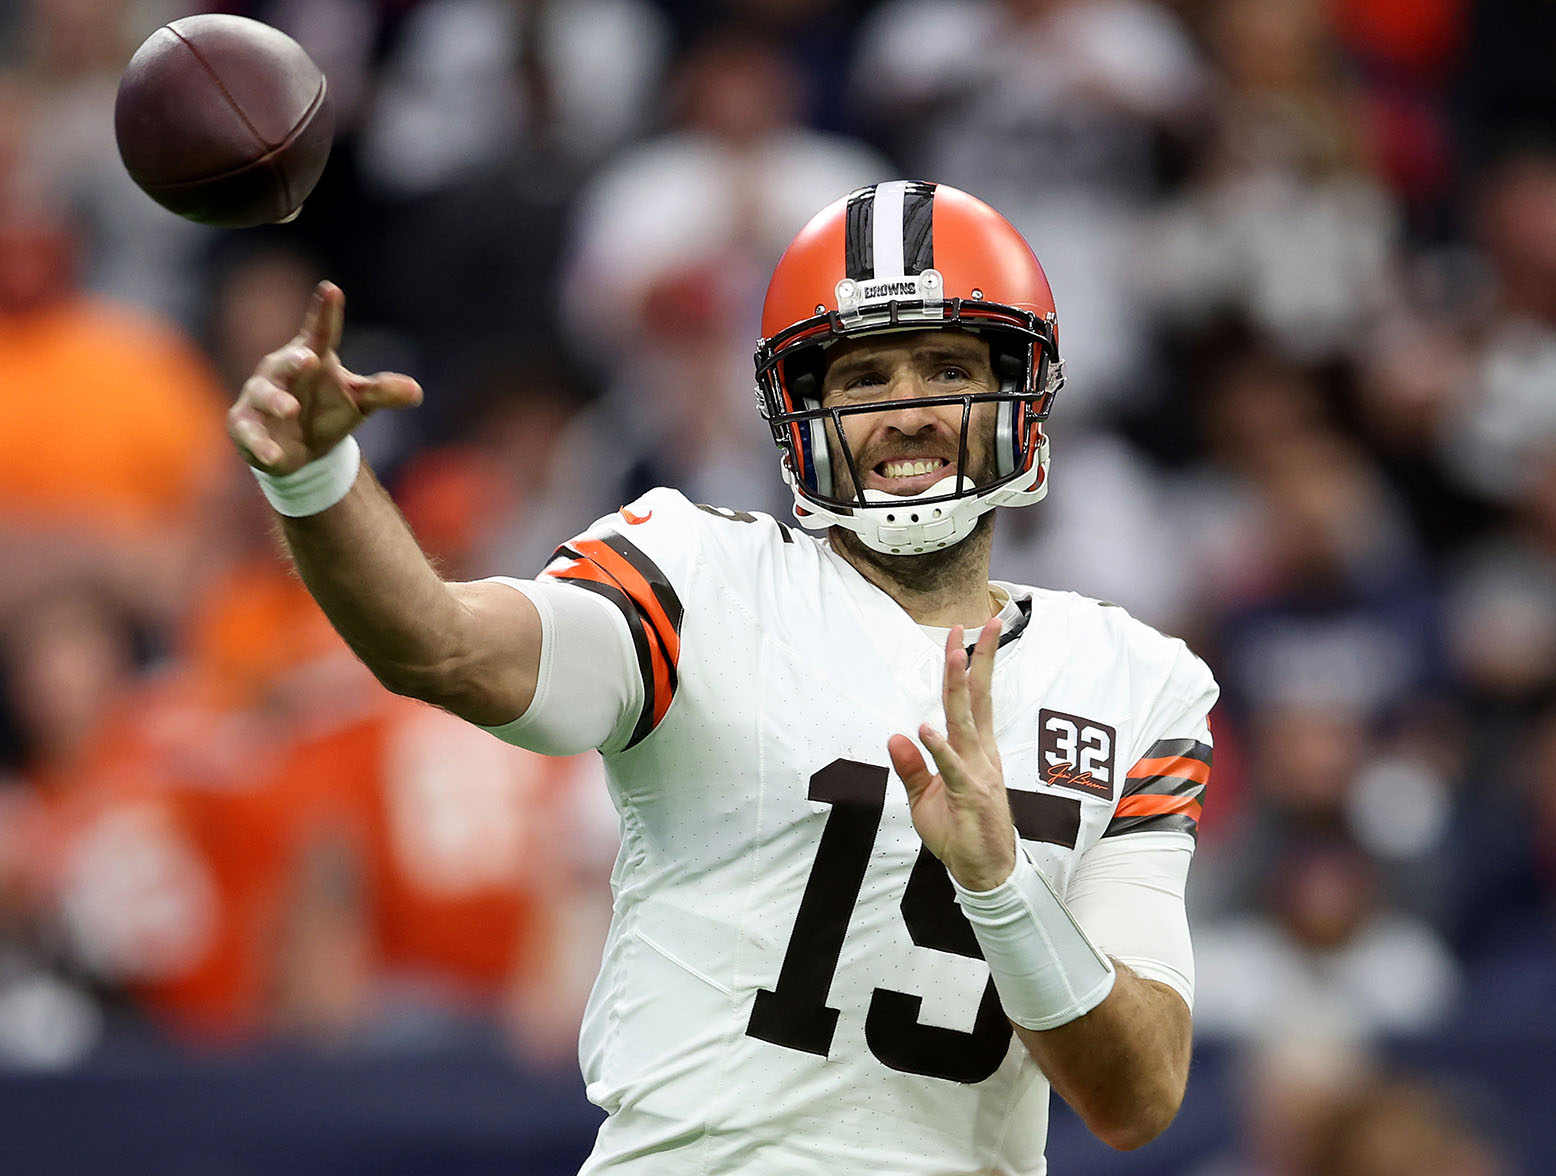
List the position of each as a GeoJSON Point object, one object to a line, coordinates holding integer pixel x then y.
{"type": "Point", "coordinates": [257, 917]}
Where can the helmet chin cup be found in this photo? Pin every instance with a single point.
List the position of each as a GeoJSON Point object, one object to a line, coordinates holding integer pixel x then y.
{"type": "Point", "coordinates": [895, 525]}
{"type": "Point", "coordinates": [950, 484]}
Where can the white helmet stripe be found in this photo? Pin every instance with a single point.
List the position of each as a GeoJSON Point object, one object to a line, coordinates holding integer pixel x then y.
{"type": "Point", "coordinates": [888, 229]}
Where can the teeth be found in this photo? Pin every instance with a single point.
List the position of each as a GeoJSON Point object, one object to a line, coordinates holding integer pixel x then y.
{"type": "Point", "coordinates": [908, 469]}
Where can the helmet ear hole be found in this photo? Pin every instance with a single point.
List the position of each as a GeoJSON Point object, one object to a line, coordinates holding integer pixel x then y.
{"type": "Point", "coordinates": [1010, 369]}
{"type": "Point", "coordinates": [802, 379]}
{"type": "Point", "coordinates": [820, 459]}
{"type": "Point", "coordinates": [805, 388]}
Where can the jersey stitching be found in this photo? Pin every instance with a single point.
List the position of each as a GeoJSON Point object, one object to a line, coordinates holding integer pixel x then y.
{"type": "Point", "coordinates": [689, 969]}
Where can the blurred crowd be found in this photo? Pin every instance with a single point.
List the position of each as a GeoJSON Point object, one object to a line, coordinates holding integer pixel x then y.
{"type": "Point", "coordinates": [1304, 253]}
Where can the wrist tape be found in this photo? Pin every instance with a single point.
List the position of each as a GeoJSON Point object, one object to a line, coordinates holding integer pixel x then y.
{"type": "Point", "coordinates": [317, 486]}
{"type": "Point", "coordinates": [1046, 971]}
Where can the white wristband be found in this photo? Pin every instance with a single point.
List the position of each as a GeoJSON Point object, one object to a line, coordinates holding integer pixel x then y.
{"type": "Point", "coordinates": [1045, 970]}
{"type": "Point", "coordinates": [318, 485]}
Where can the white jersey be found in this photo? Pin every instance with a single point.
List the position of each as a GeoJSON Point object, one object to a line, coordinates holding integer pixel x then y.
{"type": "Point", "coordinates": [788, 986]}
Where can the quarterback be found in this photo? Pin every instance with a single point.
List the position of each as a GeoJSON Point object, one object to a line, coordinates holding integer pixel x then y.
{"type": "Point", "coordinates": [903, 847]}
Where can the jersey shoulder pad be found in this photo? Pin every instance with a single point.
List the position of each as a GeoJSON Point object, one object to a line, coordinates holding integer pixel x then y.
{"type": "Point", "coordinates": [1164, 661]}
{"type": "Point", "coordinates": [653, 558]}
{"type": "Point", "coordinates": [1172, 691]}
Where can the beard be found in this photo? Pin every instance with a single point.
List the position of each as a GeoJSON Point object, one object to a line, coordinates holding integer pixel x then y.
{"type": "Point", "coordinates": [944, 569]}
{"type": "Point", "coordinates": [932, 571]}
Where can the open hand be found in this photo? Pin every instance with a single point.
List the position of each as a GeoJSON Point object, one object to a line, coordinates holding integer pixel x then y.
{"type": "Point", "coordinates": [961, 812]}
{"type": "Point", "coordinates": [301, 402]}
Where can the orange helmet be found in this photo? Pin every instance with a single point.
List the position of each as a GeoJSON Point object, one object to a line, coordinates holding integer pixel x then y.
{"type": "Point", "coordinates": [908, 255]}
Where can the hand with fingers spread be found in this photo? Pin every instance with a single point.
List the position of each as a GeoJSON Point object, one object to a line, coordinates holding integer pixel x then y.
{"type": "Point", "coordinates": [301, 401]}
{"type": "Point", "coordinates": [961, 812]}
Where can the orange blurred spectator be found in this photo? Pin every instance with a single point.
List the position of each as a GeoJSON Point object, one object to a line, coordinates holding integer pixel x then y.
{"type": "Point", "coordinates": [477, 869]}
{"type": "Point", "coordinates": [102, 861]}
{"type": "Point", "coordinates": [113, 429]}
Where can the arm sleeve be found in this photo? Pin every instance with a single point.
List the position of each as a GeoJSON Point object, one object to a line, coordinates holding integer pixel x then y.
{"type": "Point", "coordinates": [1127, 890]}
{"type": "Point", "coordinates": [1127, 895]}
{"type": "Point", "coordinates": [589, 691]}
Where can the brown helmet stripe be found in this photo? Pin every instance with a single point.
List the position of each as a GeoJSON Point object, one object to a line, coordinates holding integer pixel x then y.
{"type": "Point", "coordinates": [859, 234]}
{"type": "Point", "coordinates": [918, 228]}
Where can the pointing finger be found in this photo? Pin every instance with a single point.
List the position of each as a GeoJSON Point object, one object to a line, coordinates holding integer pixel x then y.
{"type": "Point", "coordinates": [326, 315]}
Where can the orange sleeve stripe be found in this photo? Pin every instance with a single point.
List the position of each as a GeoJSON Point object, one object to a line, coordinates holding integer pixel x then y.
{"type": "Point", "coordinates": [632, 582]}
{"type": "Point", "coordinates": [663, 687]}
{"type": "Point", "coordinates": [1185, 767]}
{"type": "Point", "coordinates": [1147, 805]}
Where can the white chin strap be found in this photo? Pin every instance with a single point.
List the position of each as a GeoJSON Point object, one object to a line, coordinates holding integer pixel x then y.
{"type": "Point", "coordinates": [895, 525]}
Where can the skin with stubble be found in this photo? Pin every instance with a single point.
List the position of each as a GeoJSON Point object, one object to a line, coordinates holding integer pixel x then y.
{"type": "Point", "coordinates": [905, 366]}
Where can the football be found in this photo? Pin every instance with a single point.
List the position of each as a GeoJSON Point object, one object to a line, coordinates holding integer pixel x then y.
{"type": "Point", "coordinates": [224, 120]}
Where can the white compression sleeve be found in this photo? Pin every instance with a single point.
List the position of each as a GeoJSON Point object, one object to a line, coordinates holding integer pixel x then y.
{"type": "Point", "coordinates": [1046, 971]}
{"type": "Point", "coordinates": [1127, 892]}
{"type": "Point", "coordinates": [589, 690]}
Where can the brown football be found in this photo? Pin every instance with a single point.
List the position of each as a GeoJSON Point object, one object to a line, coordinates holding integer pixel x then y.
{"type": "Point", "coordinates": [224, 120]}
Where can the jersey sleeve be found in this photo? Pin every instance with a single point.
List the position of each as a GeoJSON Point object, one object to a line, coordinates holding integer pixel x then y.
{"type": "Point", "coordinates": [610, 629]}
{"type": "Point", "coordinates": [1164, 789]}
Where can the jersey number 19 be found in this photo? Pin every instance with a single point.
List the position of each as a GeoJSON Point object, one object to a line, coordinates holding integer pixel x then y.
{"type": "Point", "coordinates": [794, 1013]}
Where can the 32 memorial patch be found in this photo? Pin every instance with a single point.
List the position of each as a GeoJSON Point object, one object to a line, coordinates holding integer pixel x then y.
{"type": "Point", "coordinates": [1075, 752]}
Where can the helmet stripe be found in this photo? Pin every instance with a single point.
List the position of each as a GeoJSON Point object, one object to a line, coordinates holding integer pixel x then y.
{"type": "Point", "coordinates": [901, 228]}
{"type": "Point", "coordinates": [918, 228]}
{"type": "Point", "coordinates": [859, 235]}
{"type": "Point", "coordinates": [888, 229]}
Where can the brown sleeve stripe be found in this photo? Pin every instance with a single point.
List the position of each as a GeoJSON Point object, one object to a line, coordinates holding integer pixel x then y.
{"type": "Point", "coordinates": [1165, 790]}
{"type": "Point", "coordinates": [1179, 763]}
{"type": "Point", "coordinates": [1170, 748]}
{"type": "Point", "coordinates": [1154, 823]}
{"type": "Point", "coordinates": [629, 579]}
{"type": "Point", "coordinates": [641, 579]}
{"type": "Point", "coordinates": [591, 579]}
{"type": "Point", "coordinates": [664, 594]}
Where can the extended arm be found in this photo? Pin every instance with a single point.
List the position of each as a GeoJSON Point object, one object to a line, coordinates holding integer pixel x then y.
{"type": "Point", "coordinates": [473, 649]}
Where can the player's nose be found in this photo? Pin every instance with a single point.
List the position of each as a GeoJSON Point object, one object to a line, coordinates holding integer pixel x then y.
{"type": "Point", "coordinates": [910, 415]}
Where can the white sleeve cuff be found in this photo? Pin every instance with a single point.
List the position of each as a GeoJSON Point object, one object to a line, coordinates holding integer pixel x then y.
{"type": "Point", "coordinates": [588, 691]}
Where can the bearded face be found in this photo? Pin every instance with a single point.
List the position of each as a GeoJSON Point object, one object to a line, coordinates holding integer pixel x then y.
{"type": "Point", "coordinates": [906, 449]}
